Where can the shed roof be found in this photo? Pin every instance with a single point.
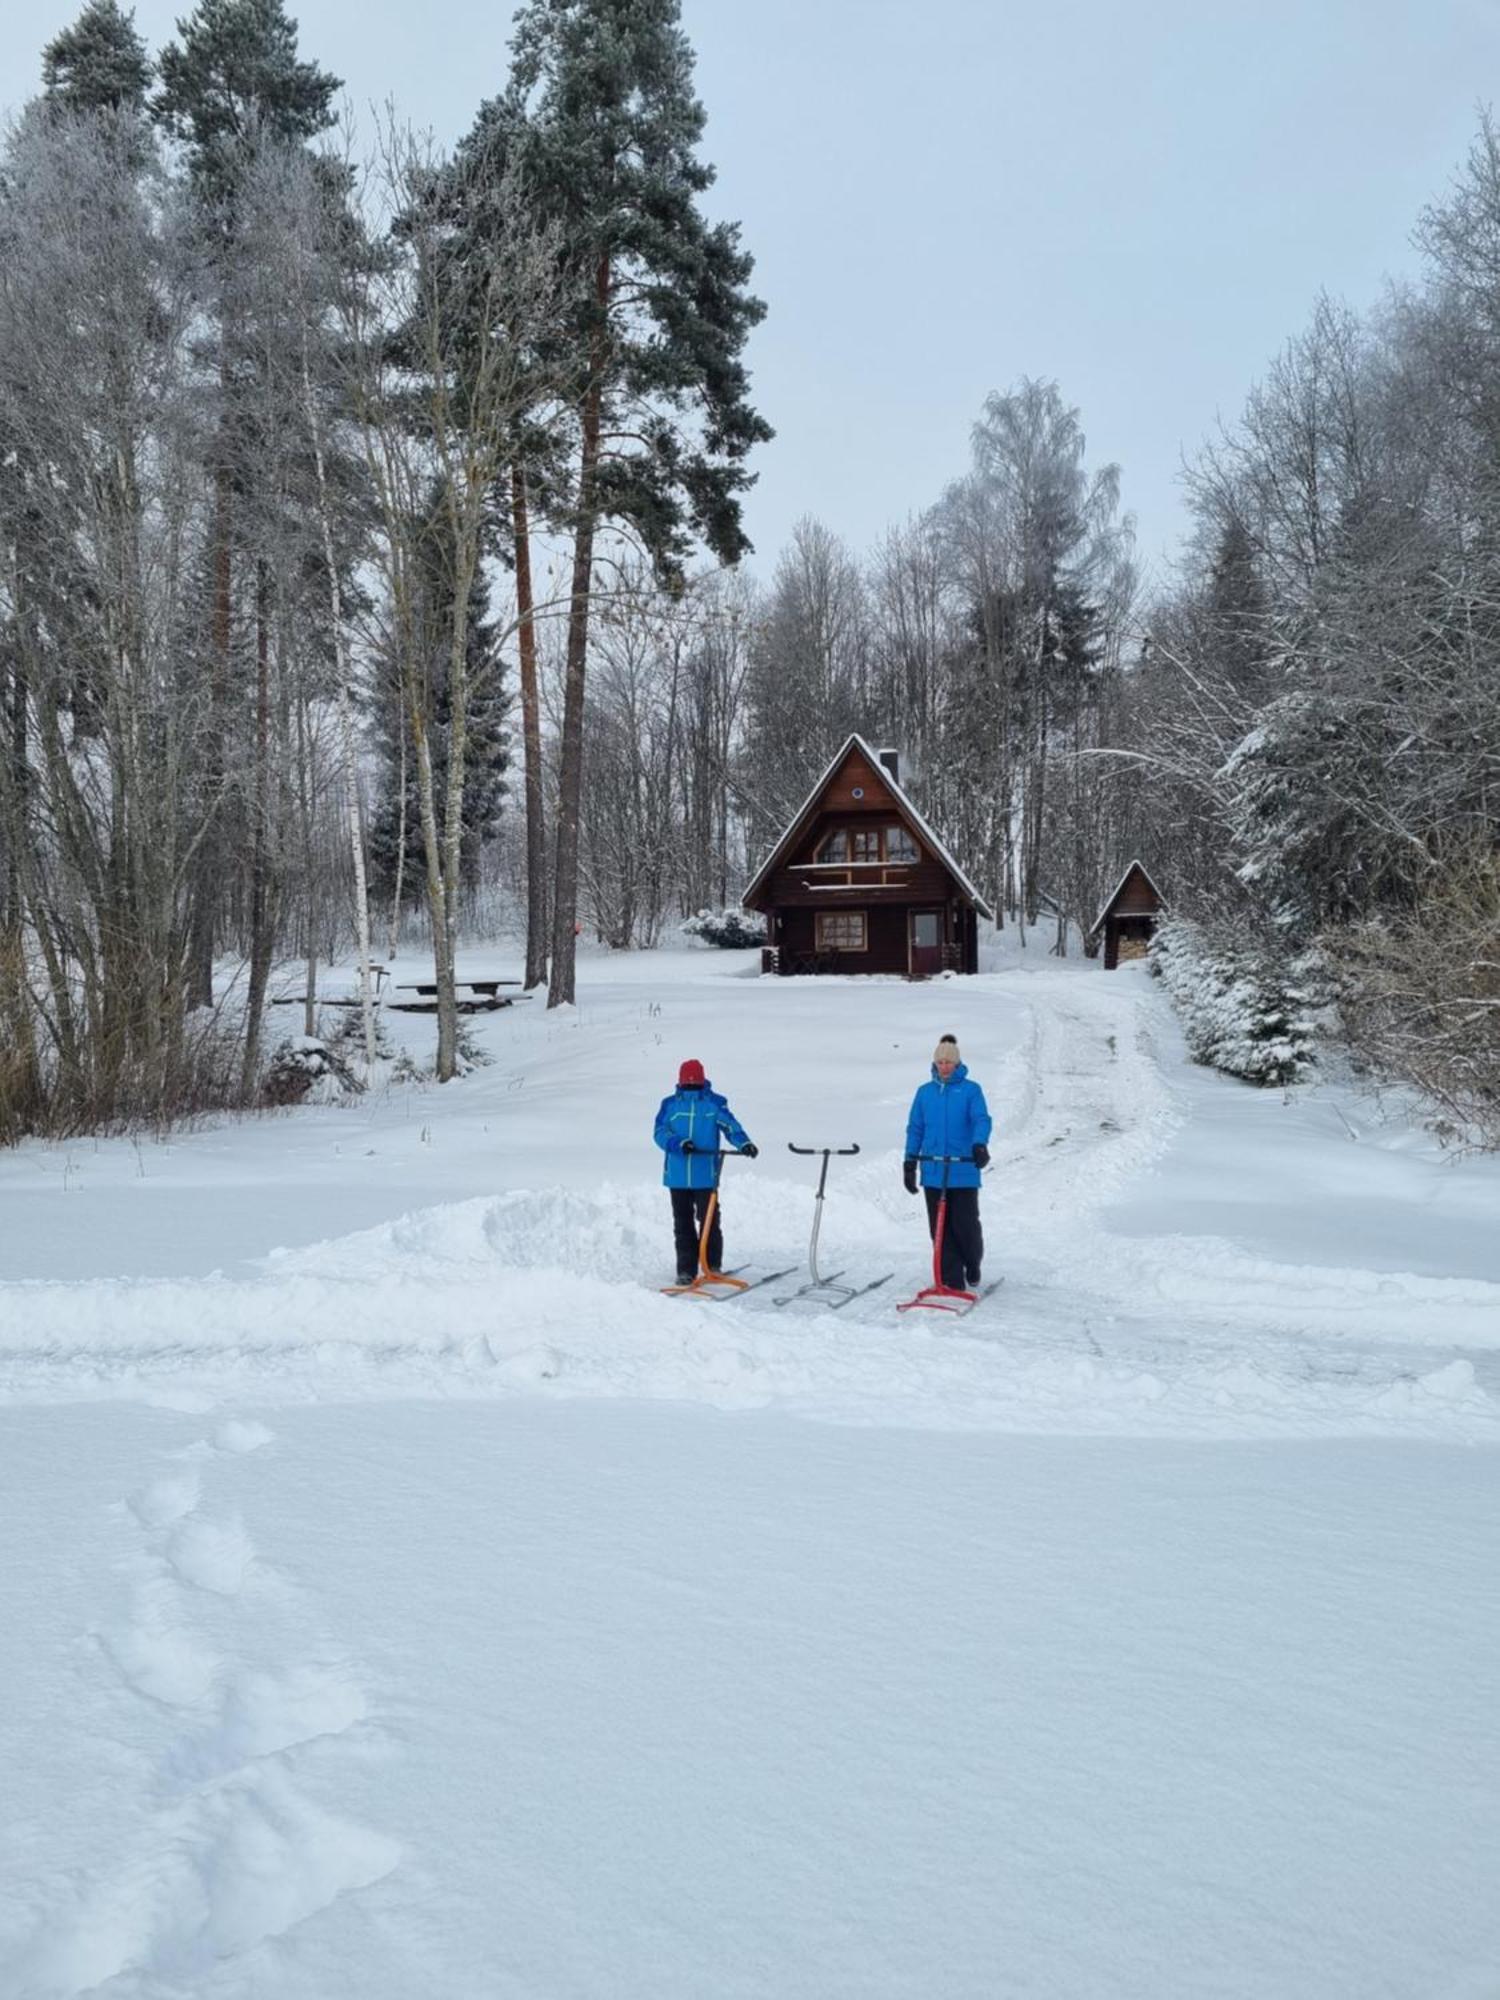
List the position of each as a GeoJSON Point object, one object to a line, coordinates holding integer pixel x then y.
{"type": "Point", "coordinates": [903, 805]}
{"type": "Point", "coordinates": [1119, 890]}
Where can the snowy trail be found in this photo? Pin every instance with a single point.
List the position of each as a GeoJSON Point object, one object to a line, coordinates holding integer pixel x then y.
{"type": "Point", "coordinates": [226, 1849]}
{"type": "Point", "coordinates": [553, 1292]}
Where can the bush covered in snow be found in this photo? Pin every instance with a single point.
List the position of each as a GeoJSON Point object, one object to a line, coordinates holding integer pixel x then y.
{"type": "Point", "coordinates": [1242, 1010]}
{"type": "Point", "coordinates": [732, 929]}
{"type": "Point", "coordinates": [305, 1067]}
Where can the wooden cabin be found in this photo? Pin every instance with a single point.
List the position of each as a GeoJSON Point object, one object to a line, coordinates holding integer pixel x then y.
{"type": "Point", "coordinates": [1129, 917]}
{"type": "Point", "coordinates": [859, 882]}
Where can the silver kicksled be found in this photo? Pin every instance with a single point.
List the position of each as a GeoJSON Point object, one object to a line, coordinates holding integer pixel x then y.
{"type": "Point", "coordinates": [820, 1290]}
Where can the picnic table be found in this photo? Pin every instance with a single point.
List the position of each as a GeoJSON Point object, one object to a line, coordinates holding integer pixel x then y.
{"type": "Point", "coordinates": [474, 995]}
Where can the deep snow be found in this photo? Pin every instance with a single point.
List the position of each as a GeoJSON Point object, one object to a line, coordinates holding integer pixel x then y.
{"type": "Point", "coordinates": [401, 1596]}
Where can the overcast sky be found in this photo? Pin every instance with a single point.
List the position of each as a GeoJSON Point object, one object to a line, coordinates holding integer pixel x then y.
{"type": "Point", "coordinates": [941, 197]}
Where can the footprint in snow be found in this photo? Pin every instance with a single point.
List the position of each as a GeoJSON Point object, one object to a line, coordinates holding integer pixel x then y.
{"type": "Point", "coordinates": [236, 1866]}
{"type": "Point", "coordinates": [242, 1434]}
{"type": "Point", "coordinates": [156, 1654]}
{"type": "Point", "coordinates": [266, 1713]}
{"type": "Point", "coordinates": [211, 1555]}
{"type": "Point", "coordinates": [165, 1500]}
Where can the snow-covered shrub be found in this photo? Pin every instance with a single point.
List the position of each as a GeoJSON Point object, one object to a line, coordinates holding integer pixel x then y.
{"type": "Point", "coordinates": [471, 1052]}
{"type": "Point", "coordinates": [1242, 1009]}
{"type": "Point", "coordinates": [732, 929]}
{"type": "Point", "coordinates": [303, 1066]}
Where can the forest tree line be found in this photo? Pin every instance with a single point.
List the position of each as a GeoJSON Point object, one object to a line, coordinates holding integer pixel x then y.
{"type": "Point", "coordinates": [369, 544]}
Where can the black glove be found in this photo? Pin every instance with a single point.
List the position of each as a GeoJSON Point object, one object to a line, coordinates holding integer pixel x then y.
{"type": "Point", "coordinates": [909, 1175]}
{"type": "Point", "coordinates": [749, 1149]}
{"type": "Point", "coordinates": [981, 1156]}
{"type": "Point", "coordinates": [688, 1146]}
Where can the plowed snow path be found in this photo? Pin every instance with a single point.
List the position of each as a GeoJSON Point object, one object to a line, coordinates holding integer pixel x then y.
{"type": "Point", "coordinates": [554, 1291]}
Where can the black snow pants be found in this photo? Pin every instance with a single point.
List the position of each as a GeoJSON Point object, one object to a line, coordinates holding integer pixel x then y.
{"type": "Point", "coordinates": [963, 1239]}
{"type": "Point", "coordinates": [689, 1206]}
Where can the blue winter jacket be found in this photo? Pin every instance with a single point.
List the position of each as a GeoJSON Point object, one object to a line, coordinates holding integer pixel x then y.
{"type": "Point", "coordinates": [695, 1112]}
{"type": "Point", "coordinates": [949, 1117]}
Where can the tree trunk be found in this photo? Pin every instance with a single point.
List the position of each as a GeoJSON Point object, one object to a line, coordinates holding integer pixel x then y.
{"type": "Point", "coordinates": [393, 939]}
{"type": "Point", "coordinates": [561, 988]}
{"type": "Point", "coordinates": [465, 553]}
{"type": "Point", "coordinates": [262, 915]}
{"type": "Point", "coordinates": [208, 874]}
{"type": "Point", "coordinates": [346, 727]}
{"type": "Point", "coordinates": [531, 731]}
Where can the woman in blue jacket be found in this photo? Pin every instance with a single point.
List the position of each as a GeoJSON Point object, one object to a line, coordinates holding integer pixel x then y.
{"type": "Point", "coordinates": [687, 1130]}
{"type": "Point", "coordinates": [949, 1117]}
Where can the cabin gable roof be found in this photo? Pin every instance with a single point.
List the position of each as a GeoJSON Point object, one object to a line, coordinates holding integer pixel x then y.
{"type": "Point", "coordinates": [781, 854]}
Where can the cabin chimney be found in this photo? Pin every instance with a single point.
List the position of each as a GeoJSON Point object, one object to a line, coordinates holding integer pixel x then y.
{"type": "Point", "coordinates": [891, 762]}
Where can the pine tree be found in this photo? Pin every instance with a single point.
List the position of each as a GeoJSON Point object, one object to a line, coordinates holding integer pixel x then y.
{"type": "Point", "coordinates": [232, 85]}
{"type": "Point", "coordinates": [658, 315]}
{"type": "Point", "coordinates": [99, 64]}
{"type": "Point", "coordinates": [233, 79]}
{"type": "Point", "coordinates": [475, 194]}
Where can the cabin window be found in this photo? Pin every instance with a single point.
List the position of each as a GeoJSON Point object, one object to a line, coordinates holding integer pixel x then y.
{"type": "Point", "coordinates": [899, 845]}
{"type": "Point", "coordinates": [864, 844]}
{"type": "Point", "coordinates": [835, 847]}
{"type": "Point", "coordinates": [841, 930]}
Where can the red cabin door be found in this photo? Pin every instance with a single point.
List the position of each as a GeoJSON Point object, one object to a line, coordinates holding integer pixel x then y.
{"type": "Point", "coordinates": [924, 943]}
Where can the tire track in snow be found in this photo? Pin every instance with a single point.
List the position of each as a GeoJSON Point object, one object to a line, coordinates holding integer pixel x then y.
{"type": "Point", "coordinates": [1096, 1110]}
{"type": "Point", "coordinates": [232, 1851]}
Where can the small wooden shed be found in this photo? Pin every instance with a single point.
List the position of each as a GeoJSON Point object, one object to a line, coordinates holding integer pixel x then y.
{"type": "Point", "coordinates": [859, 882]}
{"type": "Point", "coordinates": [1129, 917]}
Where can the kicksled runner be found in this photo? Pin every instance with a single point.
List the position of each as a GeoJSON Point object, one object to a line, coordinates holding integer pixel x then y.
{"type": "Point", "coordinates": [820, 1290]}
{"type": "Point", "coordinates": [715, 1287]}
{"type": "Point", "coordinates": [938, 1297]}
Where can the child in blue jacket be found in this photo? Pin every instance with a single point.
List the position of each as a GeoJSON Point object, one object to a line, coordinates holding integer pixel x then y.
{"type": "Point", "coordinates": [949, 1117]}
{"type": "Point", "coordinates": [687, 1130]}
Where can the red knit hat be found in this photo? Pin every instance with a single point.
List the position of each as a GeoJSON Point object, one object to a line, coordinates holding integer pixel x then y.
{"type": "Point", "coordinates": [691, 1072]}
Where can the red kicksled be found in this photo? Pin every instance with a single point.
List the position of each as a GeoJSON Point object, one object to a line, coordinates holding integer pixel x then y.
{"type": "Point", "coordinates": [938, 1297]}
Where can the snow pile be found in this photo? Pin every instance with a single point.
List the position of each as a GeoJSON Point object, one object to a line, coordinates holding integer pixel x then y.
{"type": "Point", "coordinates": [556, 1294]}
{"type": "Point", "coordinates": [1238, 1010]}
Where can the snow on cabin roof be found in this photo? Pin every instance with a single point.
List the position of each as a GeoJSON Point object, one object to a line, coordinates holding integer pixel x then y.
{"type": "Point", "coordinates": [903, 805]}
{"type": "Point", "coordinates": [1104, 910]}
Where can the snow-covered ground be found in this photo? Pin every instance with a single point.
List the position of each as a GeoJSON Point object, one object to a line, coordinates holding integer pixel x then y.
{"type": "Point", "coordinates": [400, 1596]}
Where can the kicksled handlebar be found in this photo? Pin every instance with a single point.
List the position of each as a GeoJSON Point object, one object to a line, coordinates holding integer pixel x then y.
{"type": "Point", "coordinates": [840, 1152]}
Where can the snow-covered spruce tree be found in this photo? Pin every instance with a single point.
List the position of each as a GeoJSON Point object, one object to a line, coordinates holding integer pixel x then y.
{"type": "Point", "coordinates": [1239, 1006]}
{"type": "Point", "coordinates": [658, 312]}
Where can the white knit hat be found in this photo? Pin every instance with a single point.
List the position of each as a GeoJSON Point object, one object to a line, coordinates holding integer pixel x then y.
{"type": "Point", "coordinates": [947, 1050]}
